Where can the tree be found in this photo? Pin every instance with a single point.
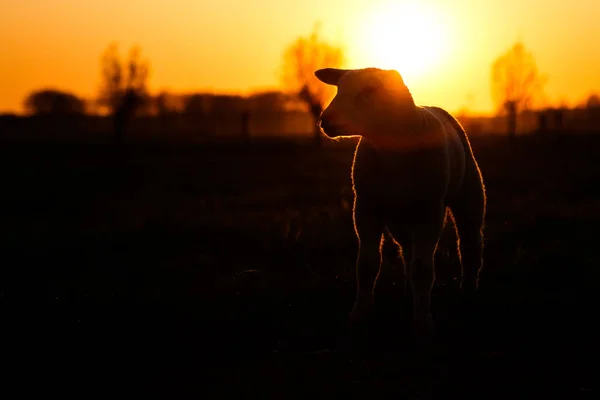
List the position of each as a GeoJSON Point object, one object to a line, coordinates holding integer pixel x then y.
{"type": "Point", "coordinates": [53, 102]}
{"type": "Point", "coordinates": [516, 83]}
{"type": "Point", "coordinates": [593, 101]}
{"type": "Point", "coordinates": [300, 61]}
{"type": "Point", "coordinates": [123, 88]}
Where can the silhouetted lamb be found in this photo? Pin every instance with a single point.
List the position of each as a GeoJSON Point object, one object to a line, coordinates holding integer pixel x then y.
{"type": "Point", "coordinates": [412, 164]}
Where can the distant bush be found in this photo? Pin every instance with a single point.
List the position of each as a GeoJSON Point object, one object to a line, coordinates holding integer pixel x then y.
{"type": "Point", "coordinates": [53, 102]}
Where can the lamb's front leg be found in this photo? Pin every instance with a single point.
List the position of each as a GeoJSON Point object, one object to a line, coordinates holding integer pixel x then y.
{"type": "Point", "coordinates": [369, 225]}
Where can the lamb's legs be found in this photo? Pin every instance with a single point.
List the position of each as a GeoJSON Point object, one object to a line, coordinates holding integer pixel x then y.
{"type": "Point", "coordinates": [469, 213]}
{"type": "Point", "coordinates": [402, 234]}
{"type": "Point", "coordinates": [422, 273]}
{"type": "Point", "coordinates": [470, 248]}
{"type": "Point", "coordinates": [369, 226]}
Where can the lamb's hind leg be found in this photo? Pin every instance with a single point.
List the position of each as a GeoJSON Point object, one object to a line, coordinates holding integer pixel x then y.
{"type": "Point", "coordinates": [469, 213]}
{"type": "Point", "coordinates": [422, 272]}
{"type": "Point", "coordinates": [369, 225]}
{"type": "Point", "coordinates": [399, 230]}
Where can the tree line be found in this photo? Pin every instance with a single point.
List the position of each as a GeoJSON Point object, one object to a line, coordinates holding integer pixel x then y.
{"type": "Point", "coordinates": [516, 86]}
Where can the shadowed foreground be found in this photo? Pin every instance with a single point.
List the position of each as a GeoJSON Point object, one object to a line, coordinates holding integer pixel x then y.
{"type": "Point", "coordinates": [225, 269]}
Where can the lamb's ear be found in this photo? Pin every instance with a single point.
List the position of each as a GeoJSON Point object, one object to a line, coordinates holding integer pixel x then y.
{"type": "Point", "coordinates": [330, 76]}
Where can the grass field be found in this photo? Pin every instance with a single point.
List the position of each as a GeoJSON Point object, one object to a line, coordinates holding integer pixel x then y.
{"type": "Point", "coordinates": [224, 269]}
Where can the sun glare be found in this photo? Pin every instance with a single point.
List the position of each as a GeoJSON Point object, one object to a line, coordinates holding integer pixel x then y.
{"type": "Point", "coordinates": [410, 38]}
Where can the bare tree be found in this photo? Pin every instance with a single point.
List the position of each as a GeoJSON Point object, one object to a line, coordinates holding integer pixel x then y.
{"type": "Point", "coordinates": [516, 83]}
{"type": "Point", "coordinates": [124, 85]}
{"type": "Point", "coordinates": [300, 61]}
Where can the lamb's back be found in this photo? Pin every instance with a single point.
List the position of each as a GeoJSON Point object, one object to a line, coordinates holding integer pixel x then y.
{"type": "Point", "coordinates": [395, 178]}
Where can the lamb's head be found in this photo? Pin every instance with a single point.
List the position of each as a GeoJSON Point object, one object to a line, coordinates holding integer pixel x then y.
{"type": "Point", "coordinates": [369, 100]}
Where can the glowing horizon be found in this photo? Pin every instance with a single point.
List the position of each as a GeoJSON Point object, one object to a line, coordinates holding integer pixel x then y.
{"type": "Point", "coordinates": [232, 46]}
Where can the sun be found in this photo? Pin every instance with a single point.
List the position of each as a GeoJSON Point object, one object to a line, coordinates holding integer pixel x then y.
{"type": "Point", "coordinates": [408, 37]}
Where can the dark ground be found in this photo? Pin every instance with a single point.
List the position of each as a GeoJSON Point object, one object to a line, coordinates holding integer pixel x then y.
{"type": "Point", "coordinates": [220, 270]}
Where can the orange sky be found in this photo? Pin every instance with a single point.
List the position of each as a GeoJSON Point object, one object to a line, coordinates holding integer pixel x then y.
{"type": "Point", "coordinates": [236, 45]}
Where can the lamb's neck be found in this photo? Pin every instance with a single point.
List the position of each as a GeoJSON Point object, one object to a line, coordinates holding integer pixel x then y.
{"type": "Point", "coordinates": [410, 118]}
{"type": "Point", "coordinates": [407, 119]}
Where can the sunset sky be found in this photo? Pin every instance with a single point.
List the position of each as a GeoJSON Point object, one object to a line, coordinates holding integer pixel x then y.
{"type": "Point", "coordinates": [237, 45]}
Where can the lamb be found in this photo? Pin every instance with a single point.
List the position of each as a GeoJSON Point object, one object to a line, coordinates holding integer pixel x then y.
{"type": "Point", "coordinates": [412, 167]}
